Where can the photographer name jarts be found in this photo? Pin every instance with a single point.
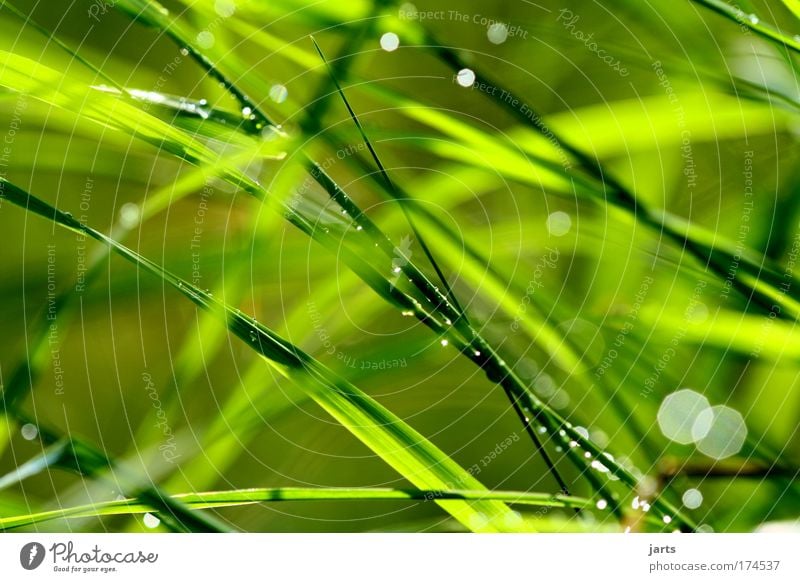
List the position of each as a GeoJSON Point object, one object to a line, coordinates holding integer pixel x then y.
{"type": "Point", "coordinates": [661, 550]}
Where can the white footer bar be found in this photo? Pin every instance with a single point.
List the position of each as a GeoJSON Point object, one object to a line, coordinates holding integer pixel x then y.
{"type": "Point", "coordinates": [389, 557]}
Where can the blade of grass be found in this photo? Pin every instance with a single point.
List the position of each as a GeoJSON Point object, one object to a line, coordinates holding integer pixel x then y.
{"type": "Point", "coordinates": [221, 499]}
{"type": "Point", "coordinates": [752, 22]}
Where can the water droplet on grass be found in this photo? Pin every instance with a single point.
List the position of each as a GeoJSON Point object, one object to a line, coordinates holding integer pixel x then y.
{"type": "Point", "coordinates": [278, 93]}
{"type": "Point", "coordinates": [466, 77]}
{"type": "Point", "coordinates": [29, 431]}
{"type": "Point", "coordinates": [560, 399]}
{"type": "Point", "coordinates": [678, 414]}
{"type": "Point", "coordinates": [389, 42]}
{"type": "Point", "coordinates": [559, 223]}
{"type": "Point", "coordinates": [544, 386]}
{"type": "Point", "coordinates": [720, 432]}
{"type": "Point", "coordinates": [129, 215]}
{"type": "Point", "coordinates": [151, 521]}
{"type": "Point", "coordinates": [497, 33]}
{"type": "Point", "coordinates": [601, 504]}
{"type": "Point", "coordinates": [205, 39]}
{"type": "Point", "coordinates": [225, 8]}
{"type": "Point", "coordinates": [692, 498]}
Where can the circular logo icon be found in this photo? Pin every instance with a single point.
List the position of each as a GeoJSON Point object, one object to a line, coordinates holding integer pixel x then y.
{"type": "Point", "coordinates": [31, 555]}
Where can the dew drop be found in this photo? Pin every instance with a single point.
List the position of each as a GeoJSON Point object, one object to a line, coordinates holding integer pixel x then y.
{"type": "Point", "coordinates": [497, 33]}
{"type": "Point", "coordinates": [225, 8]}
{"type": "Point", "coordinates": [129, 215]}
{"type": "Point", "coordinates": [601, 504]}
{"type": "Point", "coordinates": [389, 42]}
{"type": "Point", "coordinates": [29, 431]}
{"type": "Point", "coordinates": [753, 18]}
{"type": "Point", "coordinates": [278, 93]}
{"type": "Point", "coordinates": [720, 432]}
{"type": "Point", "coordinates": [544, 386]}
{"type": "Point", "coordinates": [247, 112]}
{"type": "Point", "coordinates": [445, 342]}
{"type": "Point", "coordinates": [559, 223]}
{"type": "Point", "coordinates": [678, 415]}
{"type": "Point", "coordinates": [151, 521]}
{"type": "Point", "coordinates": [205, 39]}
{"type": "Point", "coordinates": [408, 11]}
{"type": "Point", "coordinates": [692, 498]}
{"type": "Point", "coordinates": [466, 77]}
{"type": "Point", "coordinates": [560, 399]}
{"type": "Point", "coordinates": [667, 519]}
